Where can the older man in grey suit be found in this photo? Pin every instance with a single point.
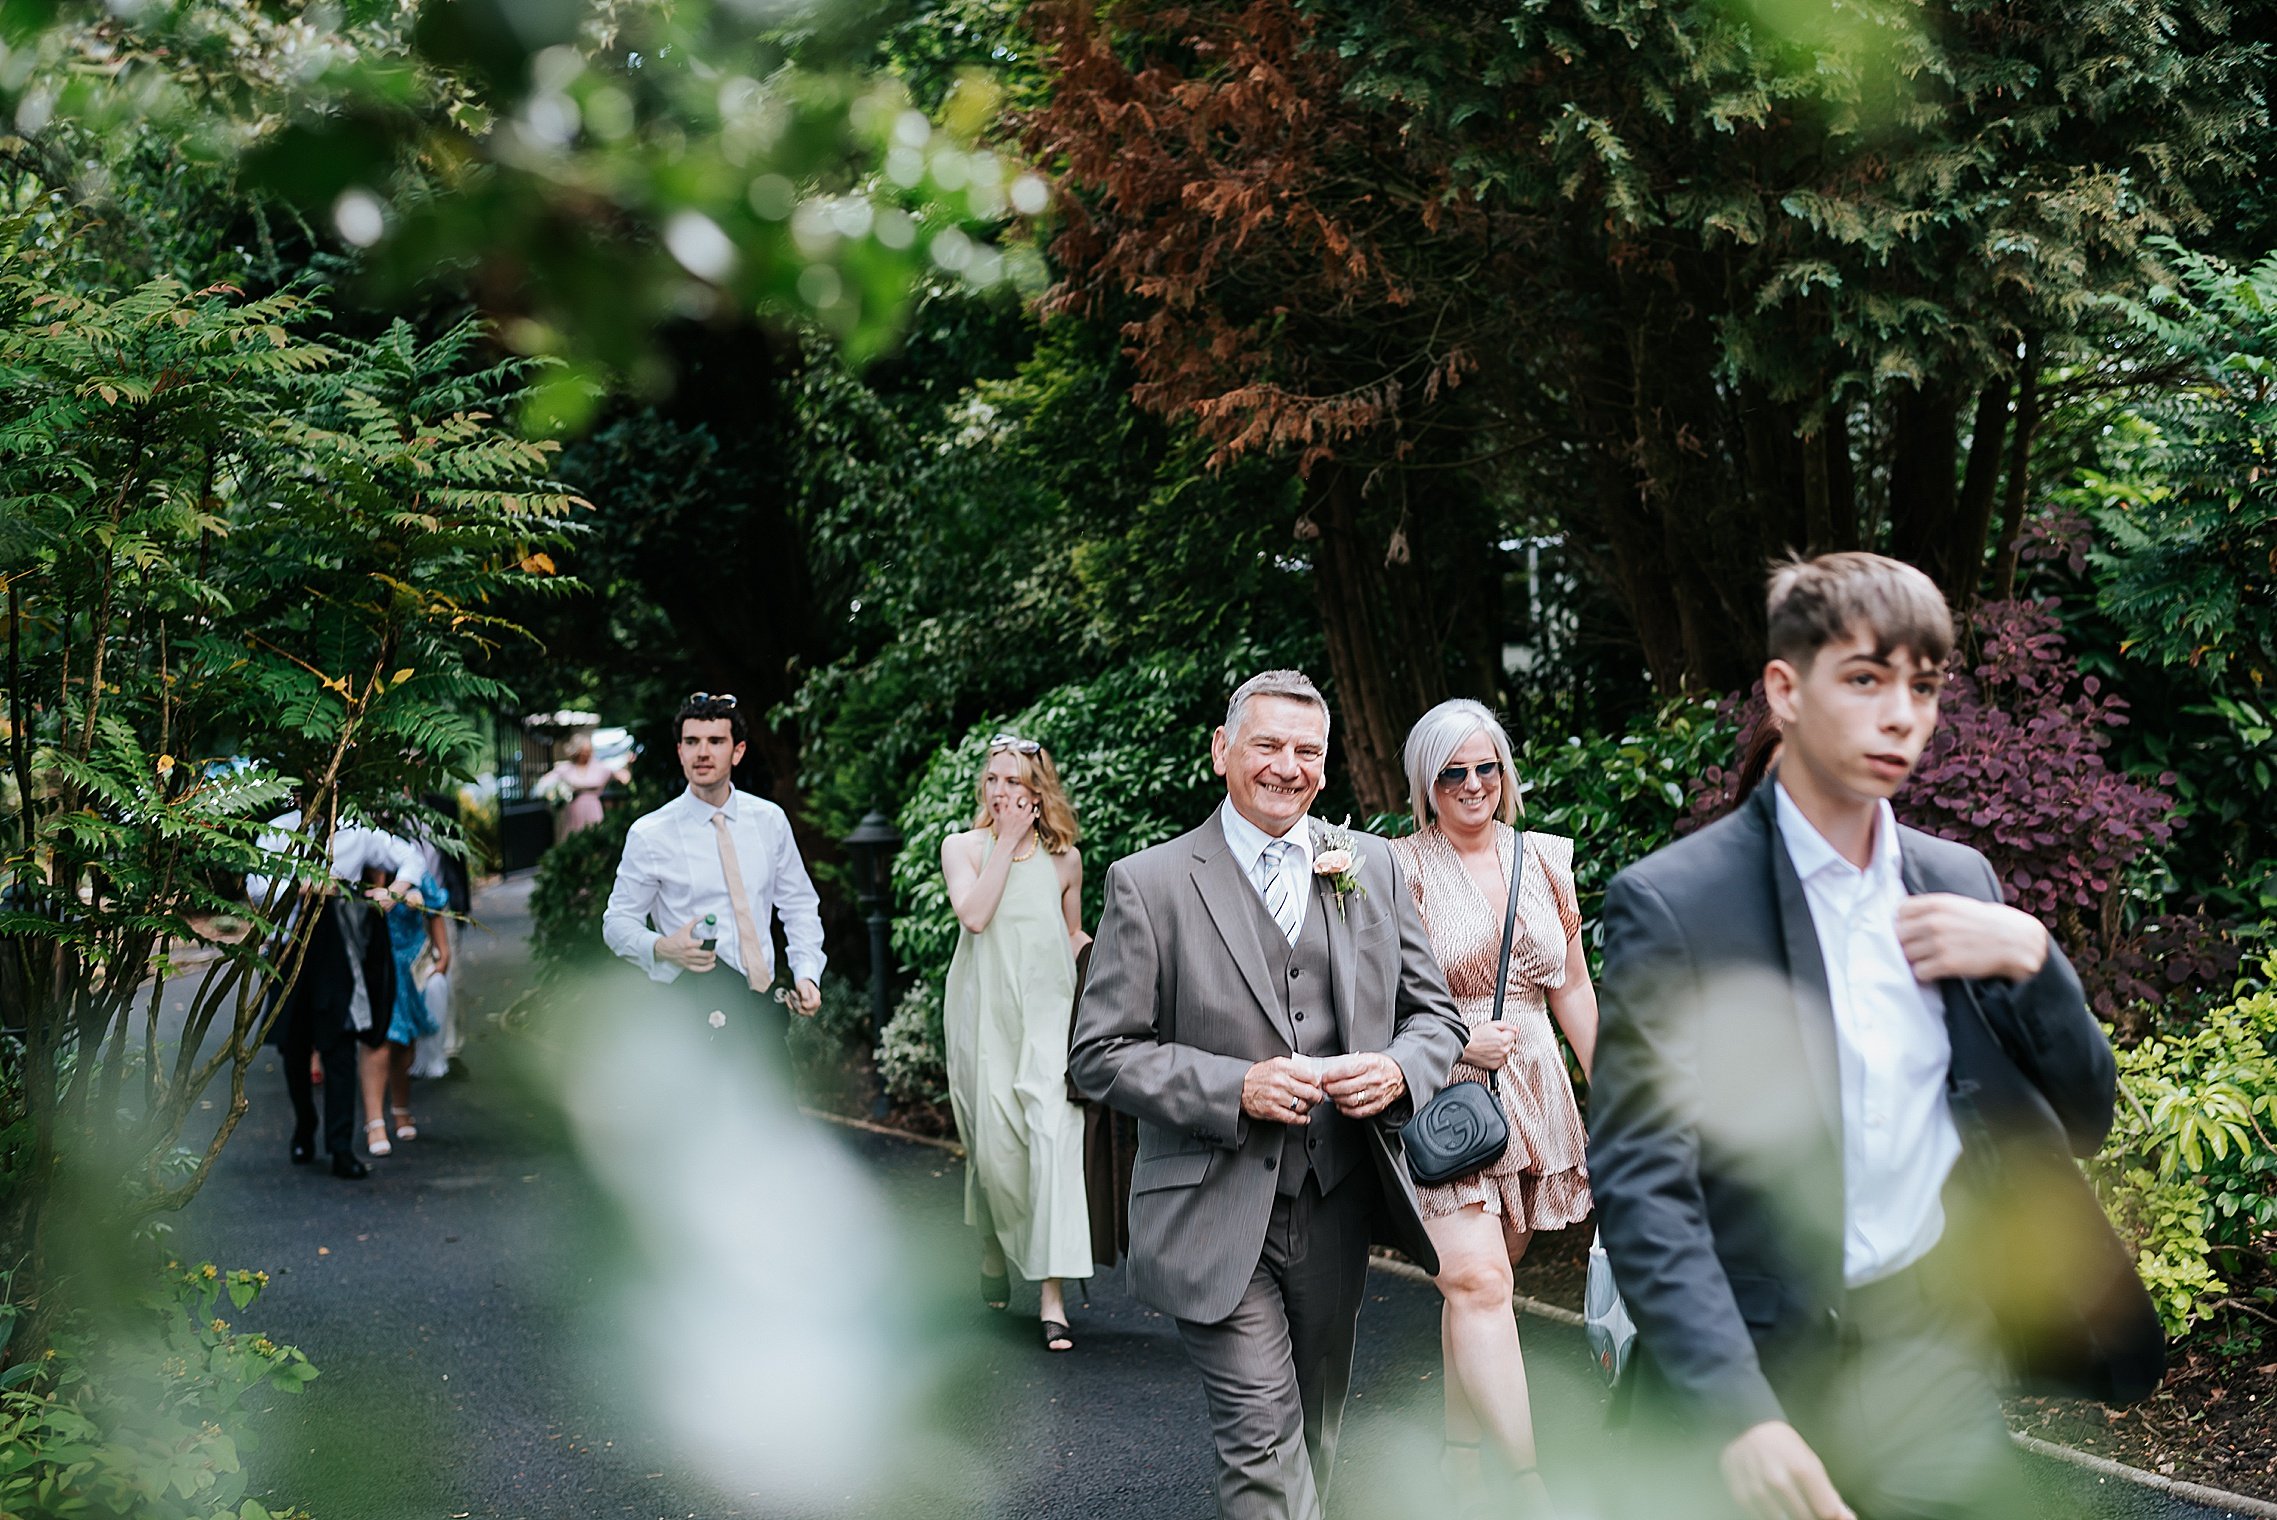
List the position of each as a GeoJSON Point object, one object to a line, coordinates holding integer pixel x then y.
{"type": "Point", "coordinates": [1270, 1021]}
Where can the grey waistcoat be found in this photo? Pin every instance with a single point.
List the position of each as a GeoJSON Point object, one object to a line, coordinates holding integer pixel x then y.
{"type": "Point", "coordinates": [1328, 1147]}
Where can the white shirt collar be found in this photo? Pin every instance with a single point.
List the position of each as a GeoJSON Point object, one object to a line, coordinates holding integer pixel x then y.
{"type": "Point", "coordinates": [1248, 841]}
{"type": "Point", "coordinates": [1810, 852]}
{"type": "Point", "coordinates": [704, 810]}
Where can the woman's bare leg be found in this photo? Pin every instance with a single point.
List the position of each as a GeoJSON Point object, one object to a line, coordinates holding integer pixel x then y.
{"type": "Point", "coordinates": [371, 1076]}
{"type": "Point", "coordinates": [1480, 1333]}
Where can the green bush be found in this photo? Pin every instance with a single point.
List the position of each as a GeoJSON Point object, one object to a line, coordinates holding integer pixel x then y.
{"type": "Point", "coordinates": [1133, 747]}
{"type": "Point", "coordinates": [913, 1058]}
{"type": "Point", "coordinates": [830, 1052]}
{"type": "Point", "coordinates": [572, 891]}
{"type": "Point", "coordinates": [1619, 796]}
{"type": "Point", "coordinates": [2190, 1171]}
{"type": "Point", "coordinates": [146, 1420]}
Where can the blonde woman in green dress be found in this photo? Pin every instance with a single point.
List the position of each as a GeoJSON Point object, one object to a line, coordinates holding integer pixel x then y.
{"type": "Point", "coordinates": [1016, 883]}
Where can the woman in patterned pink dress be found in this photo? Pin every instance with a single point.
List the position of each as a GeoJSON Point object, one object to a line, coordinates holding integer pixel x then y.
{"type": "Point", "coordinates": [1457, 865]}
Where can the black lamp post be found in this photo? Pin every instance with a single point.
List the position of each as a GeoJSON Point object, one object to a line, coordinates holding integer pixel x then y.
{"type": "Point", "coordinates": [871, 847]}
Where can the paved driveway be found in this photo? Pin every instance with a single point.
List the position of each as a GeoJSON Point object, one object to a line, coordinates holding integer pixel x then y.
{"type": "Point", "coordinates": [618, 1286]}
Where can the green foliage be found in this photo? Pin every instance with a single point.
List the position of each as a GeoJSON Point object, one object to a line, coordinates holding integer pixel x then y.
{"type": "Point", "coordinates": [913, 1058]}
{"type": "Point", "coordinates": [570, 893]}
{"type": "Point", "coordinates": [2190, 1169]}
{"type": "Point", "coordinates": [830, 1052]}
{"type": "Point", "coordinates": [1854, 180]}
{"type": "Point", "coordinates": [245, 570]}
{"type": "Point", "coordinates": [146, 1415]}
{"type": "Point", "coordinates": [1620, 796]}
{"type": "Point", "coordinates": [1017, 536]}
{"type": "Point", "coordinates": [2165, 1220]}
{"type": "Point", "coordinates": [1132, 747]}
{"type": "Point", "coordinates": [2186, 562]}
{"type": "Point", "coordinates": [597, 171]}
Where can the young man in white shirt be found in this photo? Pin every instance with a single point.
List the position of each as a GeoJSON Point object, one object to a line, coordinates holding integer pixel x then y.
{"type": "Point", "coordinates": [1828, 1053]}
{"type": "Point", "coordinates": [680, 915]}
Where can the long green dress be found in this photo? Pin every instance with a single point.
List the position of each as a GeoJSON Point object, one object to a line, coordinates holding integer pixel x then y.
{"type": "Point", "coordinates": [1004, 1019]}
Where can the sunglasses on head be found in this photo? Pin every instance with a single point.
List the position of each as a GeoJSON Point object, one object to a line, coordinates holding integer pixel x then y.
{"type": "Point", "coordinates": [1014, 743]}
{"type": "Point", "coordinates": [1454, 775]}
{"type": "Point", "coordinates": [711, 699]}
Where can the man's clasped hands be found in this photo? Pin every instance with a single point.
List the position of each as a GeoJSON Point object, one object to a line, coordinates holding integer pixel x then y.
{"type": "Point", "coordinates": [1285, 1089]}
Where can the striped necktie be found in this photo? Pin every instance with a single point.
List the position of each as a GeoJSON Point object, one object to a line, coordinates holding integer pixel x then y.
{"type": "Point", "coordinates": [1273, 886]}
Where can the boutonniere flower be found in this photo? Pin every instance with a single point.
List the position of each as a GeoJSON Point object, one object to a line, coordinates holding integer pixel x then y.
{"type": "Point", "coordinates": [1336, 855]}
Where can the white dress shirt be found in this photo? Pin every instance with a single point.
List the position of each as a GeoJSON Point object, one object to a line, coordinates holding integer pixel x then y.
{"type": "Point", "coordinates": [355, 850]}
{"type": "Point", "coordinates": [671, 874]}
{"type": "Point", "coordinates": [1249, 842]}
{"type": "Point", "coordinates": [1899, 1141]}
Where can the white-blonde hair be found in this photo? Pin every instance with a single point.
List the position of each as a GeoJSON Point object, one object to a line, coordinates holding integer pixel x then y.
{"type": "Point", "coordinates": [1434, 740]}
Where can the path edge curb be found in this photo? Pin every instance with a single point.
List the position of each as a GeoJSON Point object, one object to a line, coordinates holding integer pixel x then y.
{"type": "Point", "coordinates": [2104, 1467]}
{"type": "Point", "coordinates": [2197, 1493]}
{"type": "Point", "coordinates": [872, 1127]}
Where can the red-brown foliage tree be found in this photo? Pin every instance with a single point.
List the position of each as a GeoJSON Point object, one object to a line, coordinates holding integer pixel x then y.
{"type": "Point", "coordinates": [1295, 278]}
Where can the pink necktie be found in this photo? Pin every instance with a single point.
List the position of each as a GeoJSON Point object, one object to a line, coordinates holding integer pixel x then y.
{"type": "Point", "coordinates": [747, 940]}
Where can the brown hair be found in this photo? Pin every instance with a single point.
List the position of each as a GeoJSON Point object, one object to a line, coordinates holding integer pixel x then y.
{"type": "Point", "coordinates": [1813, 602]}
{"type": "Point", "coordinates": [1055, 815]}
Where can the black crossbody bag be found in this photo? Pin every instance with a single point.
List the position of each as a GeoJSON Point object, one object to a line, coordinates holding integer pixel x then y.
{"type": "Point", "coordinates": [1462, 1130]}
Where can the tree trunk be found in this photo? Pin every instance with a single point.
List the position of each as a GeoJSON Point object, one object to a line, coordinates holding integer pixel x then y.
{"type": "Point", "coordinates": [1818, 505]}
{"type": "Point", "coordinates": [1841, 484]}
{"type": "Point", "coordinates": [2019, 473]}
{"type": "Point", "coordinates": [1373, 706]}
{"type": "Point", "coordinates": [1923, 500]}
{"type": "Point", "coordinates": [1963, 562]}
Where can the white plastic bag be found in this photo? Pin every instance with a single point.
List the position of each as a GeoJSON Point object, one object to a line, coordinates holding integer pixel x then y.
{"type": "Point", "coordinates": [1605, 1319]}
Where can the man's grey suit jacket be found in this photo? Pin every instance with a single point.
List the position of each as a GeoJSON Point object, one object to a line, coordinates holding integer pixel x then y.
{"type": "Point", "coordinates": [1180, 1004]}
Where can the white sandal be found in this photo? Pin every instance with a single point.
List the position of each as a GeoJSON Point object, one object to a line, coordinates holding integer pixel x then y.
{"type": "Point", "coordinates": [375, 1138]}
{"type": "Point", "coordinates": [404, 1128]}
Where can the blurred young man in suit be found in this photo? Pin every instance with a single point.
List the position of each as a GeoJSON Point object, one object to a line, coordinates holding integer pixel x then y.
{"type": "Point", "coordinates": [1831, 1060]}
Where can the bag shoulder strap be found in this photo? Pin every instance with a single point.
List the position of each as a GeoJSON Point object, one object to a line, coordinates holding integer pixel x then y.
{"type": "Point", "coordinates": [1509, 935]}
{"type": "Point", "coordinates": [1509, 922]}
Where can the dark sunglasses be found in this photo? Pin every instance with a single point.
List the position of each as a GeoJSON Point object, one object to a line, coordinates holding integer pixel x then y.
{"type": "Point", "coordinates": [1014, 743]}
{"type": "Point", "coordinates": [711, 699]}
{"type": "Point", "coordinates": [1453, 776]}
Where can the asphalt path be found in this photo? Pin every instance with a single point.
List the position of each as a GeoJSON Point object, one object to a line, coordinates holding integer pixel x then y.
{"type": "Point", "coordinates": [581, 1295]}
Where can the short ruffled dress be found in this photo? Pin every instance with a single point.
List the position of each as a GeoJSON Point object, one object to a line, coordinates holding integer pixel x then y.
{"type": "Point", "coordinates": [1542, 1181]}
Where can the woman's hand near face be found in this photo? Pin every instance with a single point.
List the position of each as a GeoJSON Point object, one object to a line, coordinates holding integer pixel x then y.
{"type": "Point", "coordinates": [1015, 814]}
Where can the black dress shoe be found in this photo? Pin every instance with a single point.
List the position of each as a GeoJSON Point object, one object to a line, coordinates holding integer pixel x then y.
{"type": "Point", "coordinates": [304, 1149]}
{"type": "Point", "coordinates": [346, 1164]}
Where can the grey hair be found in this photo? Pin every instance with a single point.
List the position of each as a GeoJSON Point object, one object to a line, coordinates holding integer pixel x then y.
{"type": "Point", "coordinates": [1434, 740]}
{"type": "Point", "coordinates": [1294, 685]}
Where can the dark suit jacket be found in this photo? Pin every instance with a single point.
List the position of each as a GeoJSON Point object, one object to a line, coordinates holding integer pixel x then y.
{"type": "Point", "coordinates": [321, 994]}
{"type": "Point", "coordinates": [1716, 1131]}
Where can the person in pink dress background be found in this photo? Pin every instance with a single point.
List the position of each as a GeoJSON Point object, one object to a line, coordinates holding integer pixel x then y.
{"type": "Point", "coordinates": [1457, 865]}
{"type": "Point", "coordinates": [586, 779]}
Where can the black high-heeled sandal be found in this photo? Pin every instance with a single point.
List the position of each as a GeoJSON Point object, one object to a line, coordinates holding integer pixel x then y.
{"type": "Point", "coordinates": [996, 1290]}
{"type": "Point", "coordinates": [1057, 1337]}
